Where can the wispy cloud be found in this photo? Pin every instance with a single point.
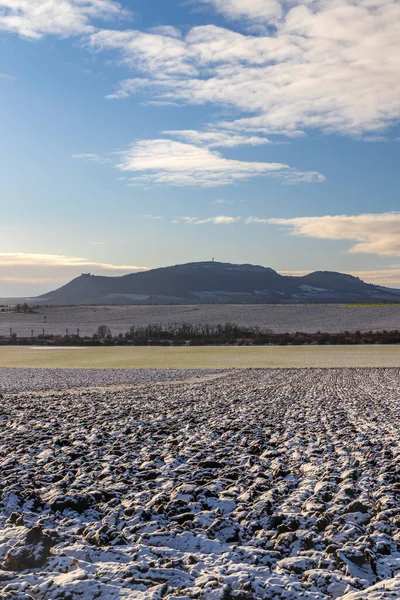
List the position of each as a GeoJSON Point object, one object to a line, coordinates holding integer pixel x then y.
{"type": "Point", "coordinates": [221, 201]}
{"type": "Point", "coordinates": [169, 162]}
{"type": "Point", "coordinates": [217, 139]}
{"type": "Point", "coordinates": [166, 30]}
{"type": "Point", "coordinates": [256, 10]}
{"type": "Point", "coordinates": [92, 157]}
{"type": "Point", "coordinates": [178, 163]}
{"type": "Point", "coordinates": [219, 220]}
{"type": "Point", "coordinates": [145, 51]}
{"type": "Point", "coordinates": [21, 259]}
{"type": "Point", "coordinates": [251, 220]}
{"type": "Point", "coordinates": [36, 18]}
{"type": "Point", "coordinates": [29, 274]}
{"type": "Point", "coordinates": [372, 233]}
{"type": "Point", "coordinates": [151, 217]}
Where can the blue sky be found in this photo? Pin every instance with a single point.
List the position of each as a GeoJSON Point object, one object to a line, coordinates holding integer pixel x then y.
{"type": "Point", "coordinates": [141, 134]}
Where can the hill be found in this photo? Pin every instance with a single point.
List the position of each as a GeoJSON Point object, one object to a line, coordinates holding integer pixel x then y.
{"type": "Point", "coordinates": [216, 283]}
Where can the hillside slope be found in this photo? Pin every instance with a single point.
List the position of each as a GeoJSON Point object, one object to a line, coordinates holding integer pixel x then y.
{"type": "Point", "coordinates": [214, 282]}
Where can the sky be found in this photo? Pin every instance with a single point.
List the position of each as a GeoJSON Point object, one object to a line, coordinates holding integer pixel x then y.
{"type": "Point", "coordinates": [139, 134]}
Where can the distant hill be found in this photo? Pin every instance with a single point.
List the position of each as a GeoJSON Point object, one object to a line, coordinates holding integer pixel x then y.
{"type": "Point", "coordinates": [215, 282]}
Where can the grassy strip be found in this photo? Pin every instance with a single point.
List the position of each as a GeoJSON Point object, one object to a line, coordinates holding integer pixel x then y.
{"type": "Point", "coordinates": [206, 357]}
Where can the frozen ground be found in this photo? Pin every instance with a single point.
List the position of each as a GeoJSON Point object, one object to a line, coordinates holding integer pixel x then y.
{"type": "Point", "coordinates": [258, 484]}
{"type": "Point", "coordinates": [281, 318]}
{"type": "Point", "coordinates": [36, 380]}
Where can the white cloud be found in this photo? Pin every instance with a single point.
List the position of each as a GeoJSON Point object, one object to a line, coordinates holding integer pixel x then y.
{"type": "Point", "coordinates": [329, 65]}
{"type": "Point", "coordinates": [219, 220]}
{"type": "Point", "coordinates": [151, 217]}
{"type": "Point", "coordinates": [146, 52]}
{"type": "Point", "coordinates": [373, 233]}
{"type": "Point", "coordinates": [254, 10]}
{"type": "Point", "coordinates": [36, 18]}
{"type": "Point", "coordinates": [166, 30]}
{"type": "Point", "coordinates": [217, 139]}
{"type": "Point", "coordinates": [169, 162]}
{"type": "Point", "coordinates": [251, 220]}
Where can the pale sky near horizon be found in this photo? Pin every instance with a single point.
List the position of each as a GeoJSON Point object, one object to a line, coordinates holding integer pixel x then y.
{"type": "Point", "coordinates": [141, 134]}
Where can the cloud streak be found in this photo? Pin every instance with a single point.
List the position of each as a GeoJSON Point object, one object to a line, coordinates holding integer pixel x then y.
{"type": "Point", "coordinates": [197, 164]}
{"type": "Point", "coordinates": [219, 220]}
{"type": "Point", "coordinates": [217, 139]}
{"type": "Point", "coordinates": [20, 259]}
{"type": "Point", "coordinates": [31, 274]}
{"type": "Point", "coordinates": [92, 157]}
{"type": "Point", "coordinates": [372, 233]}
{"type": "Point", "coordinates": [170, 162]}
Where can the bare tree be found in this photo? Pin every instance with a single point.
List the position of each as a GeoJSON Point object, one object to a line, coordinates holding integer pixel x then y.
{"type": "Point", "coordinates": [103, 332]}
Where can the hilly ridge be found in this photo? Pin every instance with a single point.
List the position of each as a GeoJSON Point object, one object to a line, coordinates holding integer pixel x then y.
{"type": "Point", "coordinates": [215, 282]}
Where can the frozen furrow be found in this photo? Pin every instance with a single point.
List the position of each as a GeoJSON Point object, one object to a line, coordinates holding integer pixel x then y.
{"type": "Point", "coordinates": [257, 484]}
{"type": "Point", "coordinates": [14, 380]}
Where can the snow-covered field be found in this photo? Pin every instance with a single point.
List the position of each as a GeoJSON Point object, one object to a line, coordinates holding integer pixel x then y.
{"type": "Point", "coordinates": [280, 318]}
{"type": "Point", "coordinates": [253, 484]}
{"type": "Point", "coordinates": [14, 380]}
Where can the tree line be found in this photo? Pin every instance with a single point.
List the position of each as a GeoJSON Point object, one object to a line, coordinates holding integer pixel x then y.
{"type": "Point", "coordinates": [198, 335]}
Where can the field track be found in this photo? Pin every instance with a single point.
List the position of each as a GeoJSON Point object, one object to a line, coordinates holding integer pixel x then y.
{"type": "Point", "coordinates": [209, 357]}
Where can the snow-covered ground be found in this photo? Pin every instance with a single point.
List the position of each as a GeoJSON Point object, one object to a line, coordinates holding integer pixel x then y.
{"type": "Point", "coordinates": [330, 318]}
{"type": "Point", "coordinates": [36, 380]}
{"type": "Point", "coordinates": [253, 484]}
